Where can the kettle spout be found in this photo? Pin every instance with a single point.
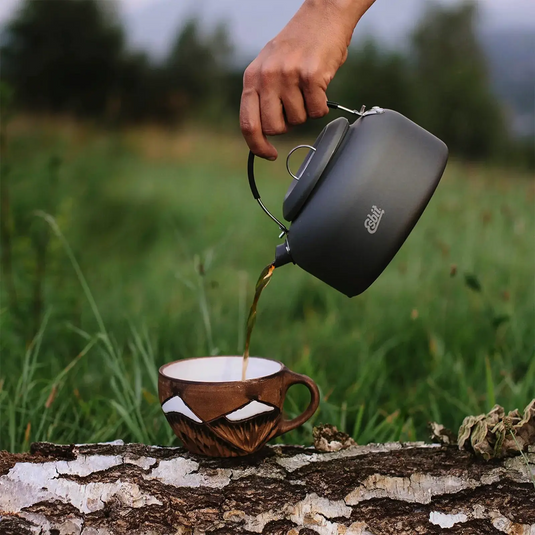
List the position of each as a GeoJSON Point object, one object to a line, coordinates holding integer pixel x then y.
{"type": "Point", "coordinates": [282, 255]}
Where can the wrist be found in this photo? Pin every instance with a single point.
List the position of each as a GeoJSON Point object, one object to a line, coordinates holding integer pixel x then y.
{"type": "Point", "coordinates": [343, 14]}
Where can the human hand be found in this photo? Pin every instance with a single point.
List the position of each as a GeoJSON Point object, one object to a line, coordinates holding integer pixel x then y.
{"type": "Point", "coordinates": [288, 80]}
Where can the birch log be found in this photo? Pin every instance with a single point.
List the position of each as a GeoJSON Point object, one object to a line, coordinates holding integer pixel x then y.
{"type": "Point", "coordinates": [394, 488]}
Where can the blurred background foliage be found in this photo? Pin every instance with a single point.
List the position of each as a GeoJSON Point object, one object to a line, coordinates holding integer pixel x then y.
{"type": "Point", "coordinates": [129, 238]}
{"type": "Point", "coordinates": [442, 81]}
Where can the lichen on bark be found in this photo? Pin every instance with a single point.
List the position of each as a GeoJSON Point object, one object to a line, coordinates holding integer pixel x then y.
{"type": "Point", "coordinates": [498, 435]}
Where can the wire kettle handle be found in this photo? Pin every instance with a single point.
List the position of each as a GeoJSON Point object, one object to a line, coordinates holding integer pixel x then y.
{"type": "Point", "coordinates": [256, 194]}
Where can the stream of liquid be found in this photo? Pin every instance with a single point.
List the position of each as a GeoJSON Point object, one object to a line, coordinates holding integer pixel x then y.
{"type": "Point", "coordinates": [262, 282]}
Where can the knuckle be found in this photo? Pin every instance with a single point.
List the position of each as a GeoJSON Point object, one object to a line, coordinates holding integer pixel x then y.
{"type": "Point", "coordinates": [311, 76]}
{"type": "Point", "coordinates": [248, 127]}
{"type": "Point", "coordinates": [289, 72]}
{"type": "Point", "coordinates": [250, 75]}
{"type": "Point", "coordinates": [275, 130]}
{"type": "Point", "coordinates": [317, 112]}
{"type": "Point", "coordinates": [267, 73]}
{"type": "Point", "coordinates": [297, 119]}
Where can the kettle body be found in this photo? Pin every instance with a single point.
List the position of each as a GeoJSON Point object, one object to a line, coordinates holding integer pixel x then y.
{"type": "Point", "coordinates": [357, 196]}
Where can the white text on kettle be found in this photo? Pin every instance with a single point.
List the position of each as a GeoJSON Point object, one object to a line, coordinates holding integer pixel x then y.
{"type": "Point", "coordinates": [371, 223]}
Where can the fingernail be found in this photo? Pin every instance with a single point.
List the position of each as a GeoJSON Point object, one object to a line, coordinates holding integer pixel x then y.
{"type": "Point", "coordinates": [272, 158]}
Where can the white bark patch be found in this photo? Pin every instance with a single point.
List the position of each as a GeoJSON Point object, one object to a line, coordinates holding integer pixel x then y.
{"type": "Point", "coordinates": [290, 464]}
{"type": "Point", "coordinates": [313, 512]}
{"type": "Point", "coordinates": [446, 521]}
{"type": "Point", "coordinates": [182, 472]}
{"type": "Point", "coordinates": [82, 466]}
{"type": "Point", "coordinates": [525, 471]}
{"type": "Point", "coordinates": [257, 523]}
{"type": "Point", "coordinates": [143, 462]}
{"type": "Point", "coordinates": [314, 504]}
{"type": "Point", "coordinates": [29, 483]}
{"type": "Point", "coordinates": [478, 512]}
{"type": "Point", "coordinates": [117, 442]}
{"type": "Point", "coordinates": [504, 525]}
{"type": "Point", "coordinates": [66, 526]}
{"type": "Point", "coordinates": [419, 488]}
{"type": "Point", "coordinates": [96, 531]}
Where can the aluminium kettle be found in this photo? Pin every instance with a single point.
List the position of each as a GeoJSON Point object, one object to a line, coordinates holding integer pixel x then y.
{"type": "Point", "coordinates": [356, 197]}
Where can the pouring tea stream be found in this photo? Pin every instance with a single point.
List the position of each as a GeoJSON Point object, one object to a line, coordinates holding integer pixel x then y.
{"type": "Point", "coordinates": [262, 282]}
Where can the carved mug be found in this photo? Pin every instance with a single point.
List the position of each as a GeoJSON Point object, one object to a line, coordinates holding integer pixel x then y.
{"type": "Point", "coordinates": [213, 412]}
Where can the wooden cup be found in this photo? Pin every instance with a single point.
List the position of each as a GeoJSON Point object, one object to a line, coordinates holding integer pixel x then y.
{"type": "Point", "coordinates": [215, 413]}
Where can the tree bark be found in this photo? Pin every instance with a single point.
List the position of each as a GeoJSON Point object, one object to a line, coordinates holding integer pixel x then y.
{"type": "Point", "coordinates": [393, 488]}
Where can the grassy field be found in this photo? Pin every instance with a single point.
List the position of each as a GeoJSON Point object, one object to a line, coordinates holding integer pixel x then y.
{"type": "Point", "coordinates": [150, 251]}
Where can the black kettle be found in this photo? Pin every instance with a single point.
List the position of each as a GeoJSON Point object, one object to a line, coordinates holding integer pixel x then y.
{"type": "Point", "coordinates": [356, 197]}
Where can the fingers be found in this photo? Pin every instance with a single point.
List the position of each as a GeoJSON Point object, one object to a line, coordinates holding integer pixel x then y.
{"type": "Point", "coordinates": [271, 114]}
{"type": "Point", "coordinates": [251, 126]}
{"type": "Point", "coordinates": [294, 106]}
{"type": "Point", "coordinates": [316, 102]}
{"type": "Point", "coordinates": [279, 94]}
{"type": "Point", "coordinates": [315, 95]}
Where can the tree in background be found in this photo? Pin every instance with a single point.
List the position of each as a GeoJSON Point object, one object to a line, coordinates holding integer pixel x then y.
{"type": "Point", "coordinates": [442, 83]}
{"type": "Point", "coordinates": [374, 77]}
{"type": "Point", "coordinates": [196, 70]}
{"type": "Point", "coordinates": [64, 55]}
{"type": "Point", "coordinates": [453, 96]}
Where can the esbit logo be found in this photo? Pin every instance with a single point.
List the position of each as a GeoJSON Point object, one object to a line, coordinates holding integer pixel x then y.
{"type": "Point", "coordinates": [371, 223]}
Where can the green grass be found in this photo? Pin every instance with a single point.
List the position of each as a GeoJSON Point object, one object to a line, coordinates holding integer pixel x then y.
{"type": "Point", "coordinates": [121, 291]}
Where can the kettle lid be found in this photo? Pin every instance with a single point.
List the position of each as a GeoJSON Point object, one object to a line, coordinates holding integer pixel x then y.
{"type": "Point", "coordinates": [313, 166]}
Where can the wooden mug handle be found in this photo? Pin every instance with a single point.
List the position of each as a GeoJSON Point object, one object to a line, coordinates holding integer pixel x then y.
{"type": "Point", "coordinates": [290, 379]}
